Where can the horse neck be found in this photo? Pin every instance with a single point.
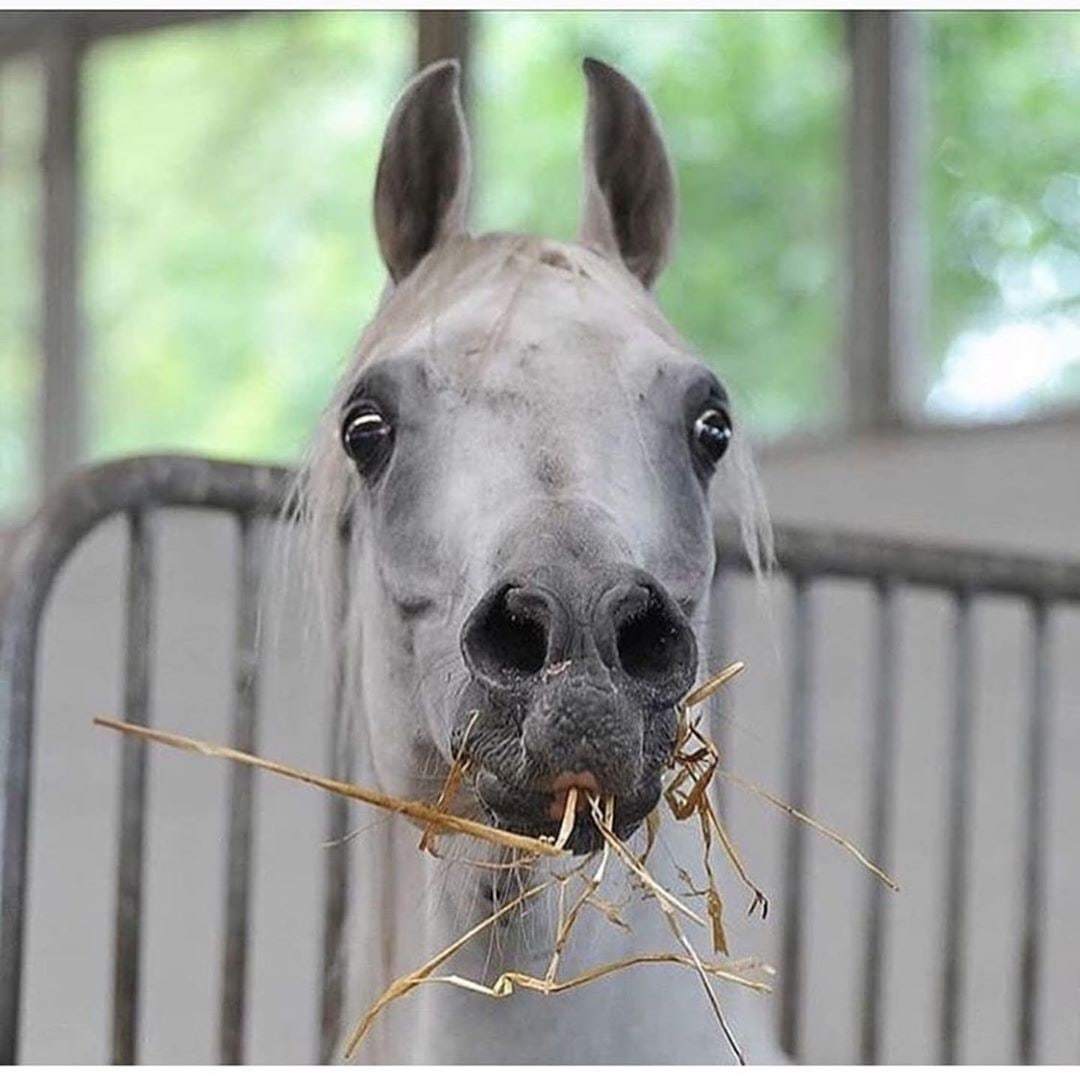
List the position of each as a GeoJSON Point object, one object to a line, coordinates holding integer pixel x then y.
{"type": "Point", "coordinates": [625, 1019]}
{"type": "Point", "coordinates": [412, 906]}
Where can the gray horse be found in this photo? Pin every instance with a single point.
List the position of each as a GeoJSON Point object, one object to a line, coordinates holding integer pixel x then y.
{"type": "Point", "coordinates": [529, 456]}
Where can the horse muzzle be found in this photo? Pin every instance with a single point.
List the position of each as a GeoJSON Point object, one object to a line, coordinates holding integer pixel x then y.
{"type": "Point", "coordinates": [572, 683]}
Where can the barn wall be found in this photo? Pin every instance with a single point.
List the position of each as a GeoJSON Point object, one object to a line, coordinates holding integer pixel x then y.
{"type": "Point", "coordinates": [1010, 486]}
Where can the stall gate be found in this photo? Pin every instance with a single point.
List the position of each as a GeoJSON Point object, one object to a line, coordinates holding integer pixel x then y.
{"type": "Point", "coordinates": [138, 490]}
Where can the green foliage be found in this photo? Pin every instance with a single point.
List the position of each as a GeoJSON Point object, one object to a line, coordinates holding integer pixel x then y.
{"type": "Point", "coordinates": [751, 106]}
{"type": "Point", "coordinates": [232, 261]}
{"type": "Point", "coordinates": [230, 170]}
{"type": "Point", "coordinates": [1004, 173]}
{"type": "Point", "coordinates": [20, 116]}
{"type": "Point", "coordinates": [229, 167]}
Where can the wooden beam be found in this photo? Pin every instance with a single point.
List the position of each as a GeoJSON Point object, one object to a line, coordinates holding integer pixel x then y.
{"type": "Point", "coordinates": [61, 412]}
{"type": "Point", "coordinates": [444, 35]}
{"type": "Point", "coordinates": [21, 30]}
{"type": "Point", "coordinates": [24, 30]}
{"type": "Point", "coordinates": [886, 267]}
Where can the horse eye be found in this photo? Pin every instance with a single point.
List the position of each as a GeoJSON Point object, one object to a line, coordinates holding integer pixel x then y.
{"type": "Point", "coordinates": [367, 436]}
{"type": "Point", "coordinates": [713, 433]}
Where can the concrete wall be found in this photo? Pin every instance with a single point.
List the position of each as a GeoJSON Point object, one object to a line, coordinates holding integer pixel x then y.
{"type": "Point", "coordinates": [1014, 488]}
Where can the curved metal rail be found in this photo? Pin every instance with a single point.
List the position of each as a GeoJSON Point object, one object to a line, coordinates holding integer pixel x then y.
{"type": "Point", "coordinates": [136, 487]}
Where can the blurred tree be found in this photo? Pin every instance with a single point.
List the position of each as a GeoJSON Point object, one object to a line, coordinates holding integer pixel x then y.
{"type": "Point", "coordinates": [751, 105]}
{"type": "Point", "coordinates": [231, 256]}
{"type": "Point", "coordinates": [1004, 210]}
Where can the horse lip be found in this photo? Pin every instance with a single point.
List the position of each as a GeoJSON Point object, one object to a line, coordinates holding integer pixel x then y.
{"type": "Point", "coordinates": [585, 782]}
{"type": "Point", "coordinates": [531, 810]}
{"type": "Point", "coordinates": [522, 792]}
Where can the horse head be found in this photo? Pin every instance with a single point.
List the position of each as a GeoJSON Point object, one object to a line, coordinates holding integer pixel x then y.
{"type": "Point", "coordinates": [527, 452]}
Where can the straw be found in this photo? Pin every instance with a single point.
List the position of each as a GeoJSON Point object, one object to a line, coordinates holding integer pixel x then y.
{"type": "Point", "coordinates": [416, 811]}
{"type": "Point", "coordinates": [695, 762]}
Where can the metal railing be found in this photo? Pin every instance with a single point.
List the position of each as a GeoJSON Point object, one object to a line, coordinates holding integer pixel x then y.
{"type": "Point", "coordinates": [806, 555]}
{"type": "Point", "coordinates": [135, 488]}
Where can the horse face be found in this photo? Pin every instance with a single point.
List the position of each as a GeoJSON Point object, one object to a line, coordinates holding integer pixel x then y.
{"type": "Point", "coordinates": [531, 450]}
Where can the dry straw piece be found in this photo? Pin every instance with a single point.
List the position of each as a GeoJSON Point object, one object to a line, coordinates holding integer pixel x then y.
{"type": "Point", "coordinates": [417, 812]}
{"type": "Point", "coordinates": [695, 764]}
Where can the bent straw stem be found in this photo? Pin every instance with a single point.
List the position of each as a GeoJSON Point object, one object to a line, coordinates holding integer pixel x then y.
{"type": "Point", "coordinates": [401, 986]}
{"type": "Point", "coordinates": [505, 983]}
{"type": "Point", "coordinates": [825, 830]}
{"type": "Point", "coordinates": [711, 685]}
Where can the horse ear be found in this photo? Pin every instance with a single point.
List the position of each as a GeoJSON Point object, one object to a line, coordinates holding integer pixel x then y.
{"type": "Point", "coordinates": [422, 186]}
{"type": "Point", "coordinates": [629, 205]}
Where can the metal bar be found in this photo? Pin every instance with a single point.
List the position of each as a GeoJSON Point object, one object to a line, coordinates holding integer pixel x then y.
{"type": "Point", "coordinates": [798, 751]}
{"type": "Point", "coordinates": [241, 791]}
{"type": "Point", "coordinates": [811, 552]}
{"type": "Point", "coordinates": [38, 552]}
{"type": "Point", "coordinates": [881, 818]}
{"type": "Point", "coordinates": [721, 600]}
{"type": "Point", "coordinates": [138, 651]}
{"type": "Point", "coordinates": [79, 504]}
{"type": "Point", "coordinates": [20, 611]}
{"type": "Point", "coordinates": [180, 480]}
{"type": "Point", "coordinates": [61, 410]}
{"type": "Point", "coordinates": [1034, 854]}
{"type": "Point", "coordinates": [18, 665]}
{"type": "Point", "coordinates": [337, 826]}
{"type": "Point", "coordinates": [959, 810]}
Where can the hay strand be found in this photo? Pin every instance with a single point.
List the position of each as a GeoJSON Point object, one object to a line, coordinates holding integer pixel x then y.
{"type": "Point", "coordinates": [569, 814]}
{"type": "Point", "coordinates": [505, 983]}
{"type": "Point", "coordinates": [825, 830]}
{"type": "Point", "coordinates": [417, 812]}
{"type": "Point", "coordinates": [406, 983]}
{"type": "Point", "coordinates": [705, 690]}
{"type": "Point", "coordinates": [450, 786]}
{"type": "Point", "coordinates": [697, 766]}
{"type": "Point", "coordinates": [695, 762]}
{"type": "Point", "coordinates": [670, 908]}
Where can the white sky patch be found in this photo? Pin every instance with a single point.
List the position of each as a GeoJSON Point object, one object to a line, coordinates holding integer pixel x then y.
{"type": "Point", "coordinates": [1003, 371]}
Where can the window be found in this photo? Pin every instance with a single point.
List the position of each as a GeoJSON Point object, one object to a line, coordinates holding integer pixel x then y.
{"type": "Point", "coordinates": [231, 261]}
{"type": "Point", "coordinates": [752, 107]}
{"type": "Point", "coordinates": [1004, 212]}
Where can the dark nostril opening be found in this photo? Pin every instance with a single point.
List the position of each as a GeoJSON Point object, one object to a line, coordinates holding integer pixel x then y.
{"type": "Point", "coordinates": [506, 639]}
{"type": "Point", "coordinates": [651, 643]}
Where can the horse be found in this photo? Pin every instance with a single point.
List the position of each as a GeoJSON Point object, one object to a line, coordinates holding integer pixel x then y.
{"type": "Point", "coordinates": [529, 459]}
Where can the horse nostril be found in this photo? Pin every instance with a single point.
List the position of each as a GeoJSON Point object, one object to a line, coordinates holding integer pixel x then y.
{"type": "Point", "coordinates": [654, 642]}
{"type": "Point", "coordinates": [506, 637]}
